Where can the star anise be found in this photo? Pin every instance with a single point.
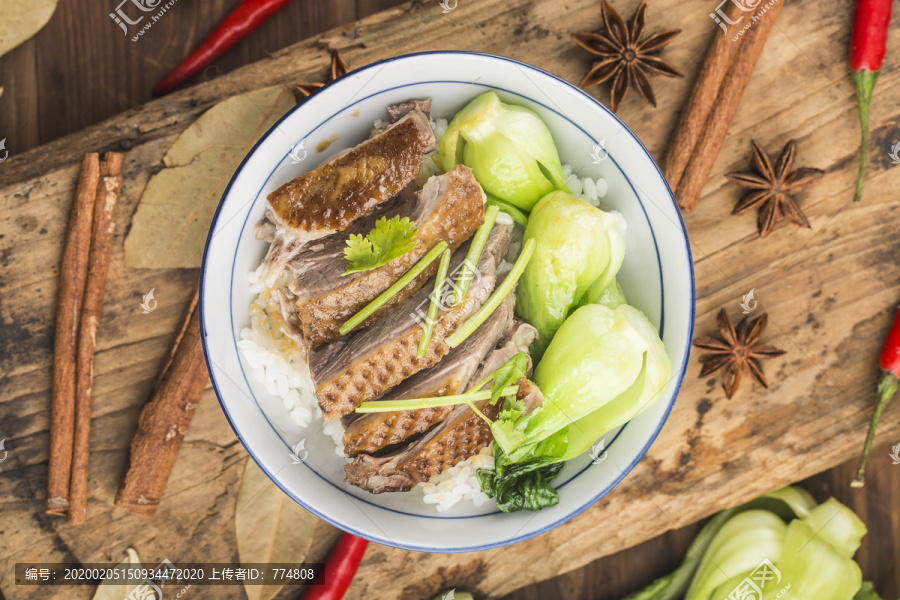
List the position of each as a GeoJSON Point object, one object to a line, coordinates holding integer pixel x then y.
{"type": "Point", "coordinates": [624, 56]}
{"type": "Point", "coordinates": [771, 186]}
{"type": "Point", "coordinates": [339, 67]}
{"type": "Point", "coordinates": [738, 350]}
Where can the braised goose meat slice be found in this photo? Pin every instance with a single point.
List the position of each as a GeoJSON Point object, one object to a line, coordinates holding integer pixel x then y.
{"type": "Point", "coordinates": [460, 436]}
{"type": "Point", "coordinates": [398, 111]}
{"type": "Point", "coordinates": [363, 365]}
{"type": "Point", "coordinates": [373, 432]}
{"type": "Point", "coordinates": [450, 207]}
{"type": "Point", "coordinates": [330, 197]}
{"type": "Point", "coordinates": [349, 185]}
{"type": "Point", "coordinates": [284, 290]}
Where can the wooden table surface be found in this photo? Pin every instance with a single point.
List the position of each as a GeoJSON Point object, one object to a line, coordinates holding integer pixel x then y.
{"type": "Point", "coordinates": [79, 71]}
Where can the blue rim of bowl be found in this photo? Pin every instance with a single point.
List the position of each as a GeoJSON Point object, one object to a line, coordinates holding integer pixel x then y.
{"type": "Point", "coordinates": [571, 514]}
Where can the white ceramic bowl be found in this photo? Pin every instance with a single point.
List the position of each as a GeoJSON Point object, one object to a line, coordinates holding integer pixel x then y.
{"type": "Point", "coordinates": [657, 276]}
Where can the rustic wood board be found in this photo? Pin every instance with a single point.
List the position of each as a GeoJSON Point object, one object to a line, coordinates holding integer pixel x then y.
{"type": "Point", "coordinates": [829, 292]}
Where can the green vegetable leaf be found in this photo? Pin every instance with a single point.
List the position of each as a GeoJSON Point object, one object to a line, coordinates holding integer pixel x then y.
{"type": "Point", "coordinates": [520, 486]}
{"type": "Point", "coordinates": [788, 503]}
{"type": "Point", "coordinates": [741, 545]}
{"type": "Point", "coordinates": [389, 239]}
{"type": "Point", "coordinates": [867, 592]}
{"type": "Point", "coordinates": [604, 367]}
{"type": "Point", "coordinates": [814, 567]}
{"type": "Point", "coordinates": [579, 250]}
{"type": "Point", "coordinates": [837, 525]}
{"type": "Point", "coordinates": [508, 374]}
{"type": "Point", "coordinates": [612, 296]}
{"type": "Point", "coordinates": [512, 409]}
{"type": "Point", "coordinates": [508, 147]}
{"type": "Point", "coordinates": [509, 433]}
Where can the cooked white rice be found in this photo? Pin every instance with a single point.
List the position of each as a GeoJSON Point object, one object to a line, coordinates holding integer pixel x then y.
{"type": "Point", "coordinates": [588, 189]}
{"type": "Point", "coordinates": [458, 483]}
{"type": "Point", "coordinates": [277, 363]}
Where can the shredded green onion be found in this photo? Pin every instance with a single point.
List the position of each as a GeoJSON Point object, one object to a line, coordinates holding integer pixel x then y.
{"type": "Point", "coordinates": [428, 327]}
{"type": "Point", "coordinates": [476, 248]}
{"type": "Point", "coordinates": [375, 406]}
{"type": "Point", "coordinates": [392, 291]}
{"type": "Point", "coordinates": [502, 291]}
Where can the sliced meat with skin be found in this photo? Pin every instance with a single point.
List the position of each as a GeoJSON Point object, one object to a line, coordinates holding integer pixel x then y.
{"type": "Point", "coordinates": [405, 201]}
{"type": "Point", "coordinates": [363, 365]}
{"type": "Point", "coordinates": [460, 436]}
{"type": "Point", "coordinates": [285, 289]}
{"type": "Point", "coordinates": [330, 197]}
{"type": "Point", "coordinates": [373, 432]}
{"type": "Point", "coordinates": [449, 208]}
{"type": "Point", "coordinates": [344, 188]}
{"type": "Point", "coordinates": [398, 111]}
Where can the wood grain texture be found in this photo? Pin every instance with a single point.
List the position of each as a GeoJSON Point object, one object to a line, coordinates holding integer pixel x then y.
{"type": "Point", "coordinates": [830, 291]}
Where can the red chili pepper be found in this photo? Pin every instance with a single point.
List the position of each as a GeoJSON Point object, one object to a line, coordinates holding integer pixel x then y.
{"type": "Point", "coordinates": [887, 387]}
{"type": "Point", "coordinates": [248, 15]}
{"type": "Point", "coordinates": [332, 582]}
{"type": "Point", "coordinates": [867, 46]}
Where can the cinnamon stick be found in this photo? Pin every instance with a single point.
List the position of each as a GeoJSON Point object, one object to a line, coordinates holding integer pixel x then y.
{"type": "Point", "coordinates": [72, 277]}
{"type": "Point", "coordinates": [729, 96]}
{"type": "Point", "coordinates": [165, 418]}
{"type": "Point", "coordinates": [703, 96]}
{"type": "Point", "coordinates": [102, 228]}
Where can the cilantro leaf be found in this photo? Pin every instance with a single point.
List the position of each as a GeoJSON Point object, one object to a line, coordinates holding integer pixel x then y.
{"type": "Point", "coordinates": [389, 239]}
{"type": "Point", "coordinates": [508, 374]}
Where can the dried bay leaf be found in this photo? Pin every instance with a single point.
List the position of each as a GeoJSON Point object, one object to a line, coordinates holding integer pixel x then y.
{"type": "Point", "coordinates": [120, 591]}
{"type": "Point", "coordinates": [169, 227]}
{"type": "Point", "coordinates": [269, 526]}
{"type": "Point", "coordinates": [21, 20]}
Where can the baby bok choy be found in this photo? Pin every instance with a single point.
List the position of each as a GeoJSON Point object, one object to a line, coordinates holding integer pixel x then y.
{"type": "Point", "coordinates": [579, 250]}
{"type": "Point", "coordinates": [779, 546]}
{"type": "Point", "coordinates": [604, 366]}
{"type": "Point", "coordinates": [509, 149]}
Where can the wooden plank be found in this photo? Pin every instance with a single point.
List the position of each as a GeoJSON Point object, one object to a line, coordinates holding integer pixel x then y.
{"type": "Point", "coordinates": [94, 71]}
{"type": "Point", "coordinates": [829, 292]}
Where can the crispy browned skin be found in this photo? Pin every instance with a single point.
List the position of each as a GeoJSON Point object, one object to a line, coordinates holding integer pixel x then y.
{"type": "Point", "coordinates": [462, 435]}
{"type": "Point", "coordinates": [330, 197]}
{"type": "Point", "coordinates": [459, 213]}
{"type": "Point", "coordinates": [363, 365]}
{"type": "Point", "coordinates": [373, 432]}
{"type": "Point", "coordinates": [389, 429]}
{"type": "Point", "coordinates": [462, 439]}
